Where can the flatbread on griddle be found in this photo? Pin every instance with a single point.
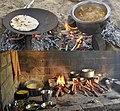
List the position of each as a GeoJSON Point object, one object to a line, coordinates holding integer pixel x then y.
{"type": "Point", "coordinates": [24, 23]}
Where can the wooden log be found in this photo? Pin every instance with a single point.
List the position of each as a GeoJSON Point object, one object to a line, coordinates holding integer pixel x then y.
{"type": "Point", "coordinates": [52, 82]}
{"type": "Point", "coordinates": [101, 86]}
{"type": "Point", "coordinates": [66, 90]}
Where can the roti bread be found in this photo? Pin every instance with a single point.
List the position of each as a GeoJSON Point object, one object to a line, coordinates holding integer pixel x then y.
{"type": "Point", "coordinates": [24, 23]}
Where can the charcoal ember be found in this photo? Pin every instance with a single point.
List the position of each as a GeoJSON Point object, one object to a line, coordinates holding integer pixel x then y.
{"type": "Point", "coordinates": [8, 44]}
{"type": "Point", "coordinates": [70, 45]}
{"type": "Point", "coordinates": [37, 44]}
{"type": "Point", "coordinates": [50, 40]}
{"type": "Point", "coordinates": [111, 34]}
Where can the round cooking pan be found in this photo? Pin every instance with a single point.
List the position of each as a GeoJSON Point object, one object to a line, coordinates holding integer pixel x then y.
{"type": "Point", "coordinates": [47, 20]}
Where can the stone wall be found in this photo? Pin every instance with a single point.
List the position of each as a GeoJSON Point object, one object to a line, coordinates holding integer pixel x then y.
{"type": "Point", "coordinates": [43, 65]}
{"type": "Point", "coordinates": [7, 84]}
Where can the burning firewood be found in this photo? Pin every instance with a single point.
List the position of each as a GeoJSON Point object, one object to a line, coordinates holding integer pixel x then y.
{"type": "Point", "coordinates": [74, 85]}
{"type": "Point", "coordinates": [66, 90]}
{"type": "Point", "coordinates": [100, 86]}
{"type": "Point", "coordinates": [58, 92]}
{"type": "Point", "coordinates": [74, 90]}
{"type": "Point", "coordinates": [62, 90]}
{"type": "Point", "coordinates": [61, 87]}
{"type": "Point", "coordinates": [94, 87]}
{"type": "Point", "coordinates": [87, 86]}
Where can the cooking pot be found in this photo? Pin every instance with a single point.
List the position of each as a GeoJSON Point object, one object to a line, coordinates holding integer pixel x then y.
{"type": "Point", "coordinates": [91, 27]}
{"type": "Point", "coordinates": [21, 94]}
{"type": "Point", "coordinates": [33, 85]}
{"type": "Point", "coordinates": [88, 73]}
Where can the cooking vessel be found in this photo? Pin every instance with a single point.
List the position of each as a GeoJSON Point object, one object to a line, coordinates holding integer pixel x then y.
{"type": "Point", "coordinates": [47, 20]}
{"type": "Point", "coordinates": [91, 27]}
{"type": "Point", "coordinates": [33, 85]}
{"type": "Point", "coordinates": [21, 94]}
{"type": "Point", "coordinates": [75, 74]}
{"type": "Point", "coordinates": [88, 73]}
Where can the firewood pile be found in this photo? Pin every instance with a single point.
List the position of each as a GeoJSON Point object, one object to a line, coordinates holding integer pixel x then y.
{"type": "Point", "coordinates": [85, 86]}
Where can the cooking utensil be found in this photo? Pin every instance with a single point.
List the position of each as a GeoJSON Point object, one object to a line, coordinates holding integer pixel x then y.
{"type": "Point", "coordinates": [29, 4]}
{"type": "Point", "coordinates": [46, 95]}
{"type": "Point", "coordinates": [88, 73]}
{"type": "Point", "coordinates": [47, 20]}
{"type": "Point", "coordinates": [74, 74]}
{"type": "Point", "coordinates": [21, 94]}
{"type": "Point", "coordinates": [32, 84]}
{"type": "Point", "coordinates": [91, 27]}
{"type": "Point", "coordinates": [32, 107]}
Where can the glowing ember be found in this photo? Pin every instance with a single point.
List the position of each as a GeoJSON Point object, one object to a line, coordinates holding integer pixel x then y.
{"type": "Point", "coordinates": [79, 41]}
{"type": "Point", "coordinates": [61, 80]}
{"type": "Point", "coordinates": [36, 35]}
{"type": "Point", "coordinates": [67, 27]}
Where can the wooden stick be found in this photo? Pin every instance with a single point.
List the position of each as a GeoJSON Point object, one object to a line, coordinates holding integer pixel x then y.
{"type": "Point", "coordinates": [61, 92]}
{"type": "Point", "coordinates": [66, 90]}
{"type": "Point", "coordinates": [101, 86]}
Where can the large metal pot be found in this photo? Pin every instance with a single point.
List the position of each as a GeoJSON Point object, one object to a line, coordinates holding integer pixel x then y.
{"type": "Point", "coordinates": [90, 27]}
{"type": "Point", "coordinates": [88, 73]}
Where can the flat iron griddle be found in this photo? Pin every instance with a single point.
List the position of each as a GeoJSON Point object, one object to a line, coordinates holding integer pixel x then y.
{"type": "Point", "coordinates": [47, 20]}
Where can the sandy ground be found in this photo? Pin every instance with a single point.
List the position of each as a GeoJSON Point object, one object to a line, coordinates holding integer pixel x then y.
{"type": "Point", "coordinates": [59, 7]}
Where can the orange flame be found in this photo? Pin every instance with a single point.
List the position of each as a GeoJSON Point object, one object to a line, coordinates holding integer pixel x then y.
{"type": "Point", "coordinates": [67, 27]}
{"type": "Point", "coordinates": [36, 35]}
{"type": "Point", "coordinates": [61, 80]}
{"type": "Point", "coordinates": [79, 41]}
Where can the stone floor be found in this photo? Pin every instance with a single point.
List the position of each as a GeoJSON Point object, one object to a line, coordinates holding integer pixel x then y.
{"type": "Point", "coordinates": [61, 8]}
{"type": "Point", "coordinates": [80, 102]}
{"type": "Point", "coordinates": [108, 101]}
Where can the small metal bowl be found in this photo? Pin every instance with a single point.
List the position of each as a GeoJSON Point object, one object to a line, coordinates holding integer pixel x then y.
{"type": "Point", "coordinates": [32, 107]}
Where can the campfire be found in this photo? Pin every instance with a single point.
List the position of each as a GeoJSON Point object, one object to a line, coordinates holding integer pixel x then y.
{"type": "Point", "coordinates": [85, 86]}
{"type": "Point", "coordinates": [61, 87]}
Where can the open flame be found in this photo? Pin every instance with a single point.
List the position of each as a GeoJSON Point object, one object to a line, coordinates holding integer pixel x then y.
{"type": "Point", "coordinates": [61, 80]}
{"type": "Point", "coordinates": [79, 41]}
{"type": "Point", "coordinates": [67, 27]}
{"type": "Point", "coordinates": [36, 35]}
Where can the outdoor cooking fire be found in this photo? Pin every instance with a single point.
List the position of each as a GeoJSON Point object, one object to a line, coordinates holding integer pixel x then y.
{"type": "Point", "coordinates": [67, 27]}
{"type": "Point", "coordinates": [68, 39]}
{"type": "Point", "coordinates": [61, 87]}
{"type": "Point", "coordinates": [74, 85]}
{"type": "Point", "coordinates": [73, 31]}
{"type": "Point", "coordinates": [61, 80]}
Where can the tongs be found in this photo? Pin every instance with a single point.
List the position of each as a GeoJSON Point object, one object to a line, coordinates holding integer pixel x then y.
{"type": "Point", "coordinates": [29, 4]}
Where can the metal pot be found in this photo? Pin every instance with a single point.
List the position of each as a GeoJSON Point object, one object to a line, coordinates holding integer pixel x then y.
{"type": "Point", "coordinates": [91, 27]}
{"type": "Point", "coordinates": [21, 94]}
{"type": "Point", "coordinates": [34, 87]}
{"type": "Point", "coordinates": [32, 84]}
{"type": "Point", "coordinates": [88, 73]}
